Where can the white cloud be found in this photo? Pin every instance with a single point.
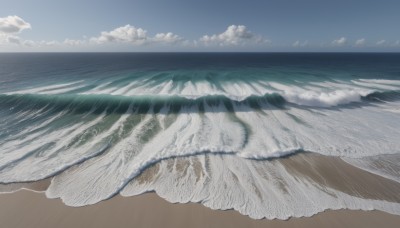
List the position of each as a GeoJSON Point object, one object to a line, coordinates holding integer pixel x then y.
{"type": "Point", "coordinates": [9, 39]}
{"type": "Point", "coordinates": [13, 24]}
{"type": "Point", "coordinates": [360, 42]}
{"type": "Point", "coordinates": [40, 44]}
{"type": "Point", "coordinates": [136, 36]}
{"type": "Point", "coordinates": [381, 42]}
{"type": "Point", "coordinates": [340, 42]}
{"type": "Point", "coordinates": [233, 35]}
{"type": "Point", "coordinates": [49, 43]}
{"type": "Point", "coordinates": [397, 43]}
{"type": "Point", "coordinates": [13, 40]}
{"type": "Point", "coordinates": [166, 38]}
{"type": "Point", "coordinates": [297, 43]}
{"type": "Point", "coordinates": [127, 33]}
{"type": "Point", "coordinates": [9, 27]}
{"type": "Point", "coordinates": [28, 43]}
{"type": "Point", "coordinates": [71, 42]}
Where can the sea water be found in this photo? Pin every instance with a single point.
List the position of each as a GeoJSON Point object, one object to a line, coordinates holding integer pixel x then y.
{"type": "Point", "coordinates": [96, 121]}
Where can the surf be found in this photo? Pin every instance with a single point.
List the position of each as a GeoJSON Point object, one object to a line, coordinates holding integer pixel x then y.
{"type": "Point", "coordinates": [95, 134]}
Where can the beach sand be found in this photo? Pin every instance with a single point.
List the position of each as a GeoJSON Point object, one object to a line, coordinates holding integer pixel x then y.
{"type": "Point", "coordinates": [25, 208]}
{"type": "Point", "coordinates": [31, 209]}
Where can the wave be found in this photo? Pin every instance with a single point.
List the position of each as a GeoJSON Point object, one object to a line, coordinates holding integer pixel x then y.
{"type": "Point", "coordinates": [43, 134]}
{"type": "Point", "coordinates": [96, 141]}
{"type": "Point", "coordinates": [79, 103]}
{"type": "Point", "coordinates": [312, 94]}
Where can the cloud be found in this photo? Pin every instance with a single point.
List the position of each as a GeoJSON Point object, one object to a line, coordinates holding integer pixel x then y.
{"type": "Point", "coordinates": [71, 42]}
{"type": "Point", "coordinates": [28, 43]}
{"type": "Point", "coordinates": [136, 36]}
{"type": "Point", "coordinates": [340, 42]}
{"type": "Point", "coordinates": [43, 43]}
{"type": "Point", "coordinates": [297, 43]}
{"type": "Point", "coordinates": [381, 42]}
{"type": "Point", "coordinates": [233, 35]}
{"type": "Point", "coordinates": [12, 25]}
{"type": "Point", "coordinates": [166, 38]}
{"type": "Point", "coordinates": [360, 42]}
{"type": "Point", "coordinates": [127, 33]}
{"type": "Point", "coordinates": [397, 43]}
{"type": "Point", "coordinates": [49, 43]}
{"type": "Point", "coordinates": [9, 27]}
{"type": "Point", "coordinates": [13, 40]}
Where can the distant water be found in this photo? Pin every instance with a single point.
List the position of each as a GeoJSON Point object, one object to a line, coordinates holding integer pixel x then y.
{"type": "Point", "coordinates": [111, 116]}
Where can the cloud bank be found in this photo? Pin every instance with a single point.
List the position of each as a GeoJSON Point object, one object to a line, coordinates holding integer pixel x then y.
{"type": "Point", "coordinates": [135, 36]}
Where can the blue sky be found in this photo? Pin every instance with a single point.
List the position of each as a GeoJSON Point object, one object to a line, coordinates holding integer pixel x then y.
{"type": "Point", "coordinates": [218, 25]}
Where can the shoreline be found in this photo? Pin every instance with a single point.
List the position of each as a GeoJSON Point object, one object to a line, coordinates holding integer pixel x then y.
{"type": "Point", "coordinates": [28, 208]}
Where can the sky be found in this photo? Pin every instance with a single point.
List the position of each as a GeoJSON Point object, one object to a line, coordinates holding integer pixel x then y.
{"type": "Point", "coordinates": [193, 25]}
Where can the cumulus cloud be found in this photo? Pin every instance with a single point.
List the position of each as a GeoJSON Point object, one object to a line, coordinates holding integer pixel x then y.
{"type": "Point", "coordinates": [340, 42]}
{"type": "Point", "coordinates": [9, 27]}
{"type": "Point", "coordinates": [360, 42]}
{"type": "Point", "coordinates": [167, 38]}
{"type": "Point", "coordinates": [381, 42]}
{"type": "Point", "coordinates": [297, 43]}
{"type": "Point", "coordinates": [233, 35]}
{"type": "Point", "coordinates": [127, 33]}
{"type": "Point", "coordinates": [13, 24]}
{"type": "Point", "coordinates": [136, 36]}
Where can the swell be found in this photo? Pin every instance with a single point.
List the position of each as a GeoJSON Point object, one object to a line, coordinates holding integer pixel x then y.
{"type": "Point", "coordinates": [79, 103]}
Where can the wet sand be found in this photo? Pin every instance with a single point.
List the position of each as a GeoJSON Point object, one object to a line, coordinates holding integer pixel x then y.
{"type": "Point", "coordinates": [31, 209]}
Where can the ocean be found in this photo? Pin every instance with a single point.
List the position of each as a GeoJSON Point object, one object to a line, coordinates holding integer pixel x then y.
{"type": "Point", "coordinates": [215, 128]}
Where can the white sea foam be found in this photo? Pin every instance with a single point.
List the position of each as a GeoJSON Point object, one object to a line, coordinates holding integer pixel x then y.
{"type": "Point", "coordinates": [270, 134]}
{"type": "Point", "coordinates": [105, 151]}
{"type": "Point", "coordinates": [381, 81]}
{"type": "Point", "coordinates": [383, 165]}
{"type": "Point", "coordinates": [51, 89]}
{"type": "Point", "coordinates": [254, 188]}
{"type": "Point", "coordinates": [321, 99]}
{"type": "Point", "coordinates": [313, 94]}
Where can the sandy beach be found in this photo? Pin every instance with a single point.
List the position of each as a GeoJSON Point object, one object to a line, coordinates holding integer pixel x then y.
{"type": "Point", "coordinates": [31, 209]}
